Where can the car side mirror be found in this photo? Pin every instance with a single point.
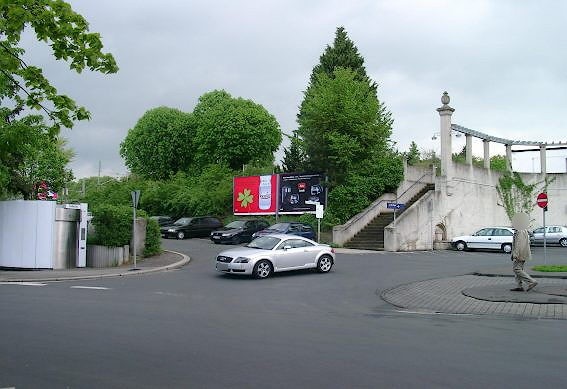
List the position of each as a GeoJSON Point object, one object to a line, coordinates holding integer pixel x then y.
{"type": "Point", "coordinates": [287, 247]}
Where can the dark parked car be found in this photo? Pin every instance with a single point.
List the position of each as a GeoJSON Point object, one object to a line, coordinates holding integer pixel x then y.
{"type": "Point", "coordinates": [238, 231]}
{"type": "Point", "coordinates": [191, 227]}
{"type": "Point", "coordinates": [162, 220]}
{"type": "Point", "coordinates": [291, 228]}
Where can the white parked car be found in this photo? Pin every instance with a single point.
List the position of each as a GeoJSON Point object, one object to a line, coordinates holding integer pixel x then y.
{"type": "Point", "coordinates": [492, 238]}
{"type": "Point", "coordinates": [553, 235]}
{"type": "Point", "coordinates": [274, 253]}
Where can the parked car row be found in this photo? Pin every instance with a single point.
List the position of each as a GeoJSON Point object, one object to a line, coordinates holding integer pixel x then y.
{"type": "Point", "coordinates": [500, 238]}
{"type": "Point", "coordinates": [236, 232]}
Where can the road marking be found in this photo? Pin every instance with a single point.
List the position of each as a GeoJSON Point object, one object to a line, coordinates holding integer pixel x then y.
{"type": "Point", "coordinates": [23, 283]}
{"type": "Point", "coordinates": [90, 287]}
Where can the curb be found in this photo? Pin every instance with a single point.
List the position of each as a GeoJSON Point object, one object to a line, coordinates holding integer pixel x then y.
{"type": "Point", "coordinates": [185, 259]}
{"type": "Point", "coordinates": [562, 276]}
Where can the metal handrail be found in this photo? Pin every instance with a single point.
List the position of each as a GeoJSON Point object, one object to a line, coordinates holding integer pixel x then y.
{"type": "Point", "coordinates": [412, 185]}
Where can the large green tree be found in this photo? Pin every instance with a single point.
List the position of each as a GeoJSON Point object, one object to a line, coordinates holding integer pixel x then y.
{"type": "Point", "coordinates": [160, 144]}
{"type": "Point", "coordinates": [345, 131]}
{"type": "Point", "coordinates": [234, 131]}
{"type": "Point", "coordinates": [340, 125]}
{"type": "Point", "coordinates": [67, 33]}
{"type": "Point", "coordinates": [31, 148]}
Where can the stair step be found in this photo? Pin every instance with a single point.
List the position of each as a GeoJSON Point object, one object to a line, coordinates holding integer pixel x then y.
{"type": "Point", "coordinates": [371, 237]}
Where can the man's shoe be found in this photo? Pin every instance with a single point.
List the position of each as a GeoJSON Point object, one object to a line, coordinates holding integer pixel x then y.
{"type": "Point", "coordinates": [531, 286]}
{"type": "Point", "coordinates": [518, 289]}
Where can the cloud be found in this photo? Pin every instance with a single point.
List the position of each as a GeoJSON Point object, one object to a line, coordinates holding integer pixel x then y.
{"type": "Point", "coordinates": [501, 61]}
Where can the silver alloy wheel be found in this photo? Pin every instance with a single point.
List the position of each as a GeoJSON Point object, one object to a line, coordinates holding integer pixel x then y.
{"type": "Point", "coordinates": [180, 235]}
{"type": "Point", "coordinates": [563, 242]}
{"type": "Point", "coordinates": [263, 269]}
{"type": "Point", "coordinates": [324, 264]}
{"type": "Point", "coordinates": [507, 248]}
{"type": "Point", "coordinates": [461, 245]}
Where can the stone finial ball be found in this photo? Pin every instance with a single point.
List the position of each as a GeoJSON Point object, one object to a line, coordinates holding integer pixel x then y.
{"type": "Point", "coordinates": [445, 99]}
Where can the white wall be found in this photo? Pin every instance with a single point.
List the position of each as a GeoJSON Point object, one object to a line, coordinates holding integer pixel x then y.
{"type": "Point", "coordinates": [27, 236]}
{"type": "Point", "coordinates": [466, 203]}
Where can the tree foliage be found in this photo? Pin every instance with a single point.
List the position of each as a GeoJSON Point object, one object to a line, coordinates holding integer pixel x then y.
{"type": "Point", "coordinates": [413, 155]}
{"type": "Point", "coordinates": [341, 125]}
{"type": "Point", "coordinates": [234, 131]}
{"type": "Point", "coordinates": [344, 54]}
{"type": "Point", "coordinates": [29, 155]}
{"type": "Point", "coordinates": [160, 144]}
{"type": "Point", "coordinates": [345, 131]}
{"type": "Point", "coordinates": [67, 33]}
{"type": "Point", "coordinates": [294, 156]}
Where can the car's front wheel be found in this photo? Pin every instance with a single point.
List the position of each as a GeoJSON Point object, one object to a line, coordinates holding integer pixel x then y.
{"type": "Point", "coordinates": [507, 248]}
{"type": "Point", "coordinates": [563, 242]}
{"type": "Point", "coordinates": [461, 246]}
{"type": "Point", "coordinates": [324, 264]}
{"type": "Point", "coordinates": [180, 235]}
{"type": "Point", "coordinates": [262, 269]}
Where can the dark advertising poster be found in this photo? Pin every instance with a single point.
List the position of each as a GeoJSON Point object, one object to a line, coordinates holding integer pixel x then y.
{"type": "Point", "coordinates": [297, 188]}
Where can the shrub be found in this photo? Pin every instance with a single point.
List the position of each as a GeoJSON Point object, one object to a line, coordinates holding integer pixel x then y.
{"type": "Point", "coordinates": [153, 238]}
{"type": "Point", "coordinates": [112, 224]}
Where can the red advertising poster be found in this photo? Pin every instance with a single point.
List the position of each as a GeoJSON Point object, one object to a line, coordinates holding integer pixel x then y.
{"type": "Point", "coordinates": [255, 195]}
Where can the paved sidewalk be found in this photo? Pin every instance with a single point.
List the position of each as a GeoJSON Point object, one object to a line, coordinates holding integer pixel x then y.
{"type": "Point", "coordinates": [166, 261]}
{"type": "Point", "coordinates": [445, 295]}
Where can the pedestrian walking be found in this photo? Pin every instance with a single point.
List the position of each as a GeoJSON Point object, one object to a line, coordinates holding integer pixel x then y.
{"type": "Point", "coordinates": [521, 253]}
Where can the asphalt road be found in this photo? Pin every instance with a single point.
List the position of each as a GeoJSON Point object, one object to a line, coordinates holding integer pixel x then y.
{"type": "Point", "coordinates": [196, 328]}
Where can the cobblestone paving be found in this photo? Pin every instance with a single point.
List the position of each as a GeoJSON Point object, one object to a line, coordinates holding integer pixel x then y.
{"type": "Point", "coordinates": [444, 296]}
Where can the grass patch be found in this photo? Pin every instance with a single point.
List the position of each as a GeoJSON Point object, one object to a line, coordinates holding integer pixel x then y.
{"type": "Point", "coordinates": [550, 268]}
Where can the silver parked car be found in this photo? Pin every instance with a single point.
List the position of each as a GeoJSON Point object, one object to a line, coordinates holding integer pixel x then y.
{"type": "Point", "coordinates": [553, 235]}
{"type": "Point", "coordinates": [493, 238]}
{"type": "Point", "coordinates": [274, 253]}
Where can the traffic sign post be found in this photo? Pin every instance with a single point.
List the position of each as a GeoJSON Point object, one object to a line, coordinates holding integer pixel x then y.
{"type": "Point", "coordinates": [135, 200]}
{"type": "Point", "coordinates": [542, 203]}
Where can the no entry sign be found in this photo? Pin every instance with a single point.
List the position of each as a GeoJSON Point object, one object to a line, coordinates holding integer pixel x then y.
{"type": "Point", "coordinates": [542, 200]}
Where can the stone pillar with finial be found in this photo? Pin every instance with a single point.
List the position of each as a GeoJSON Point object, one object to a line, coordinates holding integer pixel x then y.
{"type": "Point", "coordinates": [445, 113]}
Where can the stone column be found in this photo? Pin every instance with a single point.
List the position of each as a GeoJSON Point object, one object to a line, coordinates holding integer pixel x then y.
{"type": "Point", "coordinates": [542, 160]}
{"type": "Point", "coordinates": [468, 149]}
{"type": "Point", "coordinates": [445, 113]}
{"type": "Point", "coordinates": [486, 145]}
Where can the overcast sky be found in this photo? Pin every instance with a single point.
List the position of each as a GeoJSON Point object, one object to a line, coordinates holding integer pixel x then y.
{"type": "Point", "coordinates": [502, 62]}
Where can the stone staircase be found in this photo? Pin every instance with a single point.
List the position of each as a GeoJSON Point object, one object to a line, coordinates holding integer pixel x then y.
{"type": "Point", "coordinates": [371, 237]}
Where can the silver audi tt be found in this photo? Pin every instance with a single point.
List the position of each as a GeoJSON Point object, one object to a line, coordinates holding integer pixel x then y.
{"type": "Point", "coordinates": [274, 253]}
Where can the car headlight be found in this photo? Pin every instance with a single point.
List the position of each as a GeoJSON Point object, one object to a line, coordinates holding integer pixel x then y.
{"type": "Point", "coordinates": [226, 234]}
{"type": "Point", "coordinates": [241, 260]}
{"type": "Point", "coordinates": [171, 230]}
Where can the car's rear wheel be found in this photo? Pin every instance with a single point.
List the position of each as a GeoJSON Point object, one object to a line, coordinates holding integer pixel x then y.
{"type": "Point", "coordinates": [461, 246]}
{"type": "Point", "coordinates": [507, 248]}
{"type": "Point", "coordinates": [180, 235]}
{"type": "Point", "coordinates": [563, 242]}
{"type": "Point", "coordinates": [324, 264]}
{"type": "Point", "coordinates": [262, 269]}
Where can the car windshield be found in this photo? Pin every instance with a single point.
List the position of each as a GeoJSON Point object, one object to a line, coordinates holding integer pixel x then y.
{"type": "Point", "coordinates": [236, 224]}
{"type": "Point", "coordinates": [183, 221]}
{"type": "Point", "coordinates": [279, 227]}
{"type": "Point", "coordinates": [264, 243]}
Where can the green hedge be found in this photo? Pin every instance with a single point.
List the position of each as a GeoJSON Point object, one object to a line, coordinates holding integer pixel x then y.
{"type": "Point", "coordinates": [153, 238]}
{"type": "Point", "coordinates": [112, 224]}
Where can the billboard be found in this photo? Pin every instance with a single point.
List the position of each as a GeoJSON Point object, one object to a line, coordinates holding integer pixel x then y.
{"type": "Point", "coordinates": [284, 193]}
{"type": "Point", "coordinates": [255, 195]}
{"type": "Point", "coordinates": [297, 188]}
